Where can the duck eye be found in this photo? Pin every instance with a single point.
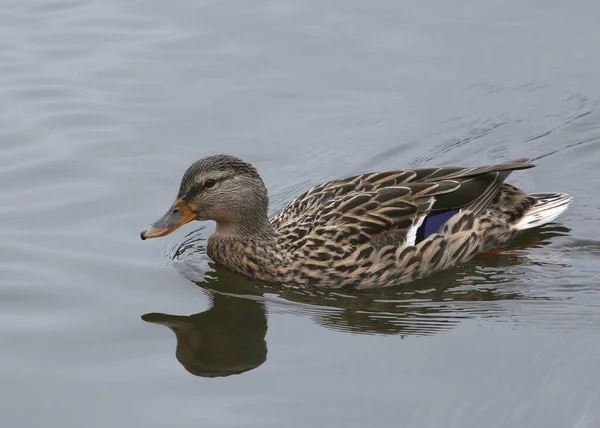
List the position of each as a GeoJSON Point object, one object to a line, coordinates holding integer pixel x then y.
{"type": "Point", "coordinates": [209, 182]}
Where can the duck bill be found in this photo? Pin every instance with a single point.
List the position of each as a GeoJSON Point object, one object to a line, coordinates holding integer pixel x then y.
{"type": "Point", "coordinates": [178, 215]}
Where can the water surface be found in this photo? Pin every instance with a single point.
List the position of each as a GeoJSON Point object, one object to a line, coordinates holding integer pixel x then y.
{"type": "Point", "coordinates": [105, 103]}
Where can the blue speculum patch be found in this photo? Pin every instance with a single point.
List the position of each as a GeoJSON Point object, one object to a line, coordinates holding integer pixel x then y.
{"type": "Point", "coordinates": [433, 223]}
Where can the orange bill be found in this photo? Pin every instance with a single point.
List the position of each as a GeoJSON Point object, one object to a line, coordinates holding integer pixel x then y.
{"type": "Point", "coordinates": [178, 215]}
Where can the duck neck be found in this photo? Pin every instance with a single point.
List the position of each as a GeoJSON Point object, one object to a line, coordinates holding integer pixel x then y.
{"type": "Point", "coordinates": [246, 228]}
{"type": "Point", "coordinates": [248, 249]}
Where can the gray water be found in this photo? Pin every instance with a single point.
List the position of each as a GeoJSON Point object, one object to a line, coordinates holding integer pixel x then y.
{"type": "Point", "coordinates": [106, 102]}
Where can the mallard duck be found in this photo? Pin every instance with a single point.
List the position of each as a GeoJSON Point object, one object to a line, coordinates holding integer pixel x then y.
{"type": "Point", "coordinates": [372, 230]}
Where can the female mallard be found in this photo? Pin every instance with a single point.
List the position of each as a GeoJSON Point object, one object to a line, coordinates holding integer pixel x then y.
{"type": "Point", "coordinates": [368, 231]}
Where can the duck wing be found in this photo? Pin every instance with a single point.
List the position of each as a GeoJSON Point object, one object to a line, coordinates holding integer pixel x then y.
{"type": "Point", "coordinates": [478, 187]}
{"type": "Point", "coordinates": [352, 220]}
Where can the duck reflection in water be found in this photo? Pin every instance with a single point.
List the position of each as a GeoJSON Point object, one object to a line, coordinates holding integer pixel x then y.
{"type": "Point", "coordinates": [229, 338]}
